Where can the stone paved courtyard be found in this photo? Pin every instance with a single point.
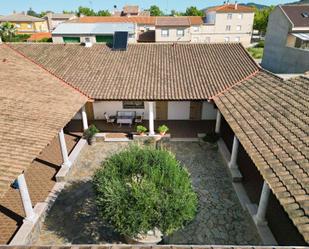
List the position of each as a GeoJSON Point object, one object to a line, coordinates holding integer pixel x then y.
{"type": "Point", "coordinates": [220, 219]}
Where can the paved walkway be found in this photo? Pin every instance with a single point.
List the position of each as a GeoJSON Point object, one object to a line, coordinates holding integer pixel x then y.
{"type": "Point", "coordinates": [40, 180]}
{"type": "Point", "coordinates": [220, 219]}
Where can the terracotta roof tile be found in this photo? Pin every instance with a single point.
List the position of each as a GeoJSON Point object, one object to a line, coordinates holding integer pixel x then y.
{"type": "Point", "coordinates": [271, 119]}
{"type": "Point", "coordinates": [34, 106]}
{"type": "Point", "coordinates": [172, 21]}
{"type": "Point", "coordinates": [145, 71]}
{"type": "Point", "coordinates": [231, 8]}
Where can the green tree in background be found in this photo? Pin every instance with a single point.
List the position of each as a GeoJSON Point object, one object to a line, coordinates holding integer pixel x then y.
{"type": "Point", "coordinates": [193, 11]}
{"type": "Point", "coordinates": [85, 11]}
{"type": "Point", "coordinates": [104, 13]}
{"type": "Point", "coordinates": [31, 12]}
{"type": "Point", "coordinates": [261, 18]}
{"type": "Point", "coordinates": [155, 11]}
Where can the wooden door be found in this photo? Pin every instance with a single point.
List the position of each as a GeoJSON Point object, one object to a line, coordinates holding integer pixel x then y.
{"type": "Point", "coordinates": [196, 110]}
{"type": "Point", "coordinates": [161, 110]}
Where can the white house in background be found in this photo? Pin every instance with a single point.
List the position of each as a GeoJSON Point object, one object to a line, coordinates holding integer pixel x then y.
{"type": "Point", "coordinates": [228, 23]}
{"type": "Point", "coordinates": [287, 40]}
{"type": "Point", "coordinates": [91, 32]}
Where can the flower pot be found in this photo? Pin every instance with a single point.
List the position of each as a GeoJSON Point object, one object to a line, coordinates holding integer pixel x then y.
{"type": "Point", "coordinates": [151, 238]}
{"type": "Point", "coordinates": [91, 140]}
{"type": "Point", "coordinates": [141, 133]}
{"type": "Point", "coordinates": [162, 133]}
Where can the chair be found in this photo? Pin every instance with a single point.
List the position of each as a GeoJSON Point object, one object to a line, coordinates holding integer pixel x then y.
{"type": "Point", "coordinates": [139, 119]}
{"type": "Point", "coordinates": [109, 119]}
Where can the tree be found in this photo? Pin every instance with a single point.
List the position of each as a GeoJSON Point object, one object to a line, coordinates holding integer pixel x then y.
{"type": "Point", "coordinates": [103, 13]}
{"type": "Point", "coordinates": [7, 31]}
{"type": "Point", "coordinates": [155, 11]}
{"type": "Point", "coordinates": [261, 18]}
{"type": "Point", "coordinates": [85, 11]}
{"type": "Point", "coordinates": [176, 13]}
{"type": "Point", "coordinates": [193, 11]}
{"type": "Point", "coordinates": [31, 12]}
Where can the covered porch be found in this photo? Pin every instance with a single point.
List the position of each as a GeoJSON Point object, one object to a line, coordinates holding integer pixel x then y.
{"type": "Point", "coordinates": [177, 128]}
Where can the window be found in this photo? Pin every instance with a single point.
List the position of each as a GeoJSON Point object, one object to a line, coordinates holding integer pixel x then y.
{"type": "Point", "coordinates": [165, 32]}
{"type": "Point", "coordinates": [17, 25]}
{"type": "Point", "coordinates": [229, 16]}
{"type": "Point", "coordinates": [227, 39]}
{"type": "Point", "coordinates": [240, 16]}
{"type": "Point", "coordinates": [237, 39]}
{"type": "Point", "coordinates": [180, 32]}
{"type": "Point", "coordinates": [29, 26]}
{"type": "Point", "coordinates": [133, 104]}
{"type": "Point", "coordinates": [238, 28]}
{"type": "Point", "coordinates": [196, 28]}
{"type": "Point", "coordinates": [228, 28]}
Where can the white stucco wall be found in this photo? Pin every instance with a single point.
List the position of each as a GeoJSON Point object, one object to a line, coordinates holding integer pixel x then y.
{"type": "Point", "coordinates": [111, 108]}
{"type": "Point", "coordinates": [208, 111]}
{"type": "Point", "coordinates": [178, 110]}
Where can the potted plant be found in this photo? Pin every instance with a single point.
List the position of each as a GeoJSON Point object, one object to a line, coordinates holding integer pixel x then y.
{"type": "Point", "coordinates": [89, 134]}
{"type": "Point", "coordinates": [144, 193]}
{"type": "Point", "coordinates": [163, 129]}
{"type": "Point", "coordinates": [141, 129]}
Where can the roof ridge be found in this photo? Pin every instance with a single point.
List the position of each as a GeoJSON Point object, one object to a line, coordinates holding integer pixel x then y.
{"type": "Point", "coordinates": [236, 84]}
{"type": "Point", "coordinates": [32, 61]}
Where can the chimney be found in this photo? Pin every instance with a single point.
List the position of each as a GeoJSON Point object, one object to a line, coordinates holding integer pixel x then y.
{"type": "Point", "coordinates": [88, 43]}
{"type": "Point", "coordinates": [236, 5]}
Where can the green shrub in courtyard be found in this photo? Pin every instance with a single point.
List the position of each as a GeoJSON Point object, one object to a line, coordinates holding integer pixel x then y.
{"type": "Point", "coordinates": [140, 189]}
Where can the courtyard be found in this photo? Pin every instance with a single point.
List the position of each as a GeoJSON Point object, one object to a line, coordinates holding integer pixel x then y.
{"type": "Point", "coordinates": [220, 219]}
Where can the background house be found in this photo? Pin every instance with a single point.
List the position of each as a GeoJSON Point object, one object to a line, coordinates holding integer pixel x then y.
{"type": "Point", "coordinates": [229, 23]}
{"type": "Point", "coordinates": [131, 10]}
{"type": "Point", "coordinates": [25, 23]}
{"type": "Point", "coordinates": [287, 40]}
{"type": "Point", "coordinates": [54, 19]}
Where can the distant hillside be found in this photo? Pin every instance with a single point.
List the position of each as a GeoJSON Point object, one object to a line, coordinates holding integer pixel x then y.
{"type": "Point", "coordinates": [259, 6]}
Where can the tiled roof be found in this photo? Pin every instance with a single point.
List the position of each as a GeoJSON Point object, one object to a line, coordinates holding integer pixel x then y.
{"type": "Point", "coordinates": [39, 36]}
{"type": "Point", "coordinates": [20, 18]}
{"type": "Point", "coordinates": [270, 117]}
{"type": "Point", "coordinates": [196, 20]}
{"type": "Point", "coordinates": [132, 19]}
{"type": "Point", "coordinates": [294, 13]}
{"type": "Point", "coordinates": [146, 71]}
{"type": "Point", "coordinates": [34, 106]}
{"type": "Point", "coordinates": [231, 8]}
{"type": "Point", "coordinates": [172, 21]}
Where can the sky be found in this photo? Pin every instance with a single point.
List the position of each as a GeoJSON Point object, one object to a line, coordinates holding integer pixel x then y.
{"type": "Point", "coordinates": [8, 6]}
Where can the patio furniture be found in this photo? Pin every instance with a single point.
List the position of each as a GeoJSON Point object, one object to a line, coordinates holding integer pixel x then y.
{"type": "Point", "coordinates": [125, 117]}
{"type": "Point", "coordinates": [139, 119]}
{"type": "Point", "coordinates": [109, 119]}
